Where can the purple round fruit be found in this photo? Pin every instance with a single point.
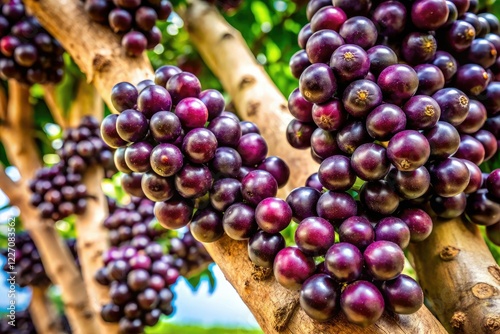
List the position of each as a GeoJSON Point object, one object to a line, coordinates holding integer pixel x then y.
{"type": "Point", "coordinates": [419, 223]}
{"type": "Point", "coordinates": [314, 236]}
{"type": "Point", "coordinates": [362, 303]}
{"type": "Point", "coordinates": [384, 260]}
{"type": "Point", "coordinates": [263, 248]}
{"type": "Point", "coordinates": [360, 97]}
{"type": "Point", "coordinates": [258, 185]}
{"type": "Point", "coordinates": [319, 297]}
{"type": "Point", "coordinates": [335, 173]}
{"type": "Point", "coordinates": [344, 262]}
{"type": "Point", "coordinates": [349, 62]}
{"type": "Point", "coordinates": [385, 121]}
{"type": "Point", "coordinates": [360, 31]}
{"type": "Point", "coordinates": [357, 231]}
{"type": "Point", "coordinates": [403, 295]}
{"type": "Point", "coordinates": [303, 202]}
{"type": "Point", "coordinates": [336, 207]}
{"type": "Point", "coordinates": [317, 83]}
{"type": "Point", "coordinates": [273, 215]}
{"type": "Point", "coordinates": [398, 83]}
{"type": "Point", "coordinates": [393, 229]}
{"type": "Point", "coordinates": [408, 150]}
{"type": "Point", "coordinates": [369, 162]}
{"type": "Point", "coordinates": [292, 268]}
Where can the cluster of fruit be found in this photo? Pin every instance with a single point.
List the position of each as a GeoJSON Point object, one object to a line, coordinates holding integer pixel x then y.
{"type": "Point", "coordinates": [28, 264]}
{"type": "Point", "coordinates": [28, 53]}
{"type": "Point", "coordinates": [139, 277]}
{"type": "Point", "coordinates": [58, 191]}
{"type": "Point", "coordinates": [397, 101]}
{"type": "Point", "coordinates": [133, 20]}
{"type": "Point", "coordinates": [174, 160]}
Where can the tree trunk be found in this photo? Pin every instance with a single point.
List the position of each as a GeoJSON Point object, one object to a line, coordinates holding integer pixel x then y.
{"type": "Point", "coordinates": [93, 47]}
{"type": "Point", "coordinates": [43, 314]}
{"type": "Point", "coordinates": [456, 249]}
{"type": "Point", "coordinates": [17, 138]}
{"type": "Point", "coordinates": [92, 236]}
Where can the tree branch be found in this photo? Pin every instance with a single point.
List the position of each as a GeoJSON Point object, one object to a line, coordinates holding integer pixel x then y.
{"type": "Point", "coordinates": [21, 150]}
{"type": "Point", "coordinates": [92, 236]}
{"type": "Point", "coordinates": [460, 277]}
{"type": "Point", "coordinates": [94, 48]}
{"type": "Point", "coordinates": [49, 95]}
{"type": "Point", "coordinates": [42, 313]}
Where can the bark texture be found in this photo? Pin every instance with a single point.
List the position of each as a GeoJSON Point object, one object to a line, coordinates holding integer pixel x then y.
{"type": "Point", "coordinates": [94, 47]}
{"type": "Point", "coordinates": [17, 138]}
{"type": "Point", "coordinates": [459, 277]}
{"type": "Point", "coordinates": [92, 236]}
{"type": "Point", "coordinates": [43, 314]}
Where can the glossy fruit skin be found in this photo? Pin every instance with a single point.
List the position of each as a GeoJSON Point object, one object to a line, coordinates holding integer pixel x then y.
{"type": "Point", "coordinates": [328, 18]}
{"type": "Point", "coordinates": [349, 62]}
{"type": "Point", "coordinates": [385, 121]}
{"type": "Point", "coordinates": [292, 268]}
{"type": "Point", "coordinates": [471, 79]}
{"type": "Point", "coordinates": [459, 35]}
{"type": "Point", "coordinates": [336, 207]}
{"type": "Point", "coordinates": [344, 262]}
{"type": "Point", "coordinates": [335, 173]}
{"type": "Point", "coordinates": [381, 56]}
{"type": "Point", "coordinates": [263, 248]}
{"type": "Point", "coordinates": [322, 44]}
{"type": "Point", "coordinates": [173, 214]}
{"type": "Point", "coordinates": [360, 7]}
{"type": "Point", "coordinates": [298, 63]}
{"type": "Point", "coordinates": [166, 159]}
{"type": "Point", "coordinates": [252, 148]}
{"type": "Point", "coordinates": [390, 18]}
{"type": "Point", "coordinates": [429, 14]}
{"type": "Point", "coordinates": [165, 126]}
{"type": "Point", "coordinates": [314, 236]}
{"type": "Point", "coordinates": [362, 303]}
{"type": "Point", "coordinates": [443, 139]}
{"type": "Point", "coordinates": [398, 83]}
{"type": "Point", "coordinates": [314, 5]}
{"type": "Point", "coordinates": [303, 202]}
{"type": "Point", "coordinates": [492, 183]}
{"type": "Point", "coordinates": [258, 185]}
{"type": "Point", "coordinates": [419, 223]}
{"type": "Point", "coordinates": [239, 221]}
{"type": "Point", "coordinates": [470, 149]}
{"type": "Point", "coordinates": [193, 181]}
{"type": "Point", "coordinates": [273, 215]}
{"type": "Point", "coordinates": [449, 177]}
{"type": "Point", "coordinates": [430, 79]}
{"type": "Point", "coordinates": [446, 63]}
{"type": "Point", "coordinates": [323, 145]}
{"type": "Point", "coordinates": [482, 210]}
{"type": "Point", "coordinates": [408, 150]}
{"type": "Point", "coordinates": [298, 134]}
{"type": "Point", "coordinates": [206, 225]}
{"type": "Point", "coordinates": [384, 260]}
{"type": "Point", "coordinates": [379, 197]}
{"type": "Point", "coordinates": [199, 145]}
{"type": "Point", "coordinates": [329, 116]}
{"type": "Point", "coordinates": [357, 231]}
{"type": "Point", "coordinates": [422, 112]}
{"type": "Point", "coordinates": [418, 48]}
{"type": "Point", "coordinates": [319, 297]}
{"type": "Point", "coordinates": [351, 136]}
{"type": "Point", "coordinates": [476, 118]}
{"type": "Point", "coordinates": [299, 107]}
{"type": "Point", "coordinates": [393, 229]}
{"type": "Point", "coordinates": [369, 162]}
{"type": "Point", "coordinates": [359, 30]}
{"type": "Point", "coordinates": [449, 207]}
{"type": "Point", "coordinates": [361, 96]}
{"type": "Point", "coordinates": [317, 83]}
{"type": "Point", "coordinates": [402, 295]}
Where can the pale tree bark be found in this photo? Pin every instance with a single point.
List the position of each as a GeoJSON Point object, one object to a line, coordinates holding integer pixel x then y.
{"type": "Point", "coordinates": [43, 314]}
{"type": "Point", "coordinates": [269, 111]}
{"type": "Point", "coordinates": [93, 47]}
{"type": "Point", "coordinates": [92, 236]}
{"type": "Point", "coordinates": [17, 138]}
{"type": "Point", "coordinates": [456, 249]}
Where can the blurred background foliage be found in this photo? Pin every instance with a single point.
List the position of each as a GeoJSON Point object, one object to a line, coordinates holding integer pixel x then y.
{"type": "Point", "coordinates": [270, 27]}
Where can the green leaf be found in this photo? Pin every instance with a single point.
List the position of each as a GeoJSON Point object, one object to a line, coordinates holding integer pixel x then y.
{"type": "Point", "coordinates": [261, 12]}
